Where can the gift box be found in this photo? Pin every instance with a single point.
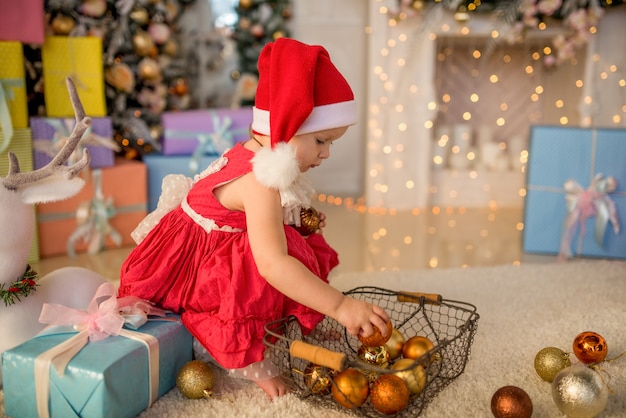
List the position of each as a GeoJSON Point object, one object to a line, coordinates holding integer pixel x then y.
{"type": "Point", "coordinates": [22, 21]}
{"type": "Point", "coordinates": [204, 131]}
{"type": "Point", "coordinates": [81, 59]}
{"type": "Point", "coordinates": [13, 108]}
{"type": "Point", "coordinates": [576, 192]}
{"type": "Point", "coordinates": [49, 135]}
{"type": "Point", "coordinates": [102, 215]}
{"type": "Point", "coordinates": [113, 377]}
{"type": "Point", "coordinates": [159, 166]}
{"type": "Point", "coordinates": [21, 146]}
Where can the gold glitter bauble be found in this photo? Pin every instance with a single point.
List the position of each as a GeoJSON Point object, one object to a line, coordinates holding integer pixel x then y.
{"type": "Point", "coordinates": [413, 375]}
{"type": "Point", "coordinates": [318, 379]}
{"type": "Point", "coordinates": [309, 221]}
{"type": "Point", "coordinates": [389, 394]}
{"type": "Point", "coordinates": [142, 43]}
{"type": "Point", "coordinates": [416, 346]}
{"type": "Point", "coordinates": [590, 347]}
{"type": "Point", "coordinates": [62, 25]}
{"type": "Point", "coordinates": [580, 392]}
{"type": "Point", "coordinates": [511, 402]}
{"type": "Point", "coordinates": [550, 361]}
{"type": "Point", "coordinates": [195, 379]}
{"type": "Point", "coordinates": [394, 344]}
{"type": "Point", "coordinates": [149, 69]}
{"type": "Point", "coordinates": [376, 356]}
{"type": "Point", "coordinates": [377, 339]}
{"type": "Point", "coordinates": [139, 15]}
{"type": "Point", "coordinates": [350, 388]}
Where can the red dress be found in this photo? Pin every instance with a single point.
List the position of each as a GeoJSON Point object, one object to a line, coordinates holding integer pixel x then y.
{"type": "Point", "coordinates": [210, 278]}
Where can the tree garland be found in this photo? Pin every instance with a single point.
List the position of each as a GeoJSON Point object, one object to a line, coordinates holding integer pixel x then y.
{"type": "Point", "coordinates": [23, 286]}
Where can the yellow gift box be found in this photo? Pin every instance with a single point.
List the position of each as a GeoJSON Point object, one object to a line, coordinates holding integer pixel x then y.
{"type": "Point", "coordinates": [22, 147]}
{"type": "Point", "coordinates": [13, 85]}
{"type": "Point", "coordinates": [81, 59]}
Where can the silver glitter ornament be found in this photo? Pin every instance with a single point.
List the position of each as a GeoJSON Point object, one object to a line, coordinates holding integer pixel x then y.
{"type": "Point", "coordinates": [580, 392]}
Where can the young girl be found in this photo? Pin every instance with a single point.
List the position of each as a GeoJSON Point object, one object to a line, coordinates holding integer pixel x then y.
{"type": "Point", "coordinates": [219, 249]}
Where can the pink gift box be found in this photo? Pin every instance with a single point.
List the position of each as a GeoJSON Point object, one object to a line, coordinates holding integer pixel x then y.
{"type": "Point", "coordinates": [204, 131]}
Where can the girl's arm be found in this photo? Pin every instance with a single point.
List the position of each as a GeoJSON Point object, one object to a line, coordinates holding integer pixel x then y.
{"type": "Point", "coordinates": [264, 217]}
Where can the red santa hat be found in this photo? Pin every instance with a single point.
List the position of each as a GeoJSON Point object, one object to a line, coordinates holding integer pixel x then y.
{"type": "Point", "coordinates": [299, 91]}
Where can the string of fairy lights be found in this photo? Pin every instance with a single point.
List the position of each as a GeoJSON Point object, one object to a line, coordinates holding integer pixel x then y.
{"type": "Point", "coordinates": [462, 151]}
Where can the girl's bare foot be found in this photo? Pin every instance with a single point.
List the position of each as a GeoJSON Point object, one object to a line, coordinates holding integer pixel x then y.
{"type": "Point", "coordinates": [274, 387]}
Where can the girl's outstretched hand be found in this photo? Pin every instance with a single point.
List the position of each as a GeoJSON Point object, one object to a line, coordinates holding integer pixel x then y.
{"type": "Point", "coordinates": [360, 317]}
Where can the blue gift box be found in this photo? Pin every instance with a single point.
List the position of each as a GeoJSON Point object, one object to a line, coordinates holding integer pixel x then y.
{"type": "Point", "coordinates": [107, 378]}
{"type": "Point", "coordinates": [558, 155]}
{"type": "Point", "coordinates": [204, 131]}
{"type": "Point", "coordinates": [159, 166]}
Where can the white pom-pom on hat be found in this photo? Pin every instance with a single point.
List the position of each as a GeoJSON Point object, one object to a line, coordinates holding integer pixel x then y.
{"type": "Point", "coordinates": [276, 168]}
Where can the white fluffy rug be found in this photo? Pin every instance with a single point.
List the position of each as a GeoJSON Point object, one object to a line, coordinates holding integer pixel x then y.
{"type": "Point", "coordinates": [522, 310]}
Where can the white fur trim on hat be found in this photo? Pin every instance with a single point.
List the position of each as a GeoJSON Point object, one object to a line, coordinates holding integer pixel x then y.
{"type": "Point", "coordinates": [334, 115]}
{"type": "Point", "coordinates": [276, 168]}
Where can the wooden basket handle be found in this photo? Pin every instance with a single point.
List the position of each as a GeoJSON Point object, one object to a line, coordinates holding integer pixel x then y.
{"type": "Point", "coordinates": [318, 355]}
{"type": "Point", "coordinates": [432, 298]}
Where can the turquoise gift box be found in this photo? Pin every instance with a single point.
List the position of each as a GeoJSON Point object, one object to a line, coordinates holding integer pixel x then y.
{"type": "Point", "coordinates": [159, 166]}
{"type": "Point", "coordinates": [107, 378]}
{"type": "Point", "coordinates": [567, 173]}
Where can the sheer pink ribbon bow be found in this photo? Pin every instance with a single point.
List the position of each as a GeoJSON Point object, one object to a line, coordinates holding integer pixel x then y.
{"type": "Point", "coordinates": [585, 203]}
{"type": "Point", "coordinates": [104, 317]}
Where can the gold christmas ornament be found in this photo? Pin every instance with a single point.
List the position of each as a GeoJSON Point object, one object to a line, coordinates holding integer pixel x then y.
{"type": "Point", "coordinates": [278, 34]}
{"type": "Point", "coordinates": [580, 392]}
{"type": "Point", "coordinates": [377, 356]}
{"type": "Point", "coordinates": [511, 402]}
{"type": "Point", "coordinates": [377, 339]}
{"type": "Point", "coordinates": [62, 25]}
{"type": "Point", "coordinates": [389, 394]}
{"type": "Point", "coordinates": [148, 69]}
{"type": "Point", "coordinates": [172, 9]}
{"type": "Point", "coordinates": [550, 361]}
{"type": "Point", "coordinates": [171, 47]}
{"type": "Point", "coordinates": [416, 346]}
{"type": "Point", "coordinates": [121, 77]}
{"type": "Point", "coordinates": [418, 5]}
{"type": "Point", "coordinates": [590, 347]}
{"type": "Point", "coordinates": [309, 221]}
{"type": "Point", "coordinates": [142, 43]}
{"type": "Point", "coordinates": [350, 388]}
{"type": "Point", "coordinates": [318, 379]}
{"type": "Point", "coordinates": [413, 375]}
{"type": "Point", "coordinates": [139, 15]}
{"type": "Point", "coordinates": [394, 344]}
{"type": "Point", "coordinates": [195, 380]}
{"type": "Point", "coordinates": [245, 4]}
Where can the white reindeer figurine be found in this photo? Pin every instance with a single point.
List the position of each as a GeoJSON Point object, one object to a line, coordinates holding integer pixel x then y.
{"type": "Point", "coordinates": [69, 286]}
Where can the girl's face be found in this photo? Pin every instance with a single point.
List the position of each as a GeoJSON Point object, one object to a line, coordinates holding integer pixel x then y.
{"type": "Point", "coordinates": [314, 147]}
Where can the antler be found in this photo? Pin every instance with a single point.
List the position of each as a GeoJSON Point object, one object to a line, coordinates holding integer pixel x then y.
{"type": "Point", "coordinates": [57, 166]}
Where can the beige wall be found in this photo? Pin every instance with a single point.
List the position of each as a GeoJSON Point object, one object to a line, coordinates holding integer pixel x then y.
{"type": "Point", "coordinates": [339, 26]}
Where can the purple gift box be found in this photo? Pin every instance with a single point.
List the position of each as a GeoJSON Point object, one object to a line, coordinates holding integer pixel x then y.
{"type": "Point", "coordinates": [49, 135]}
{"type": "Point", "coordinates": [204, 131]}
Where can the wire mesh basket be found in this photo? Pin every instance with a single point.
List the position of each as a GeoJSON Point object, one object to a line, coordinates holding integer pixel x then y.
{"type": "Point", "coordinates": [310, 363]}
